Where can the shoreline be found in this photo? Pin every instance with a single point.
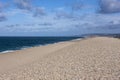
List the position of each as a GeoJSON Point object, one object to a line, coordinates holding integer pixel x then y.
{"type": "Point", "coordinates": [26, 53]}
{"type": "Point", "coordinates": [29, 47]}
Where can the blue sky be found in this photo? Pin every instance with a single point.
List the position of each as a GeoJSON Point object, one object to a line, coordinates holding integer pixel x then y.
{"type": "Point", "coordinates": [58, 17]}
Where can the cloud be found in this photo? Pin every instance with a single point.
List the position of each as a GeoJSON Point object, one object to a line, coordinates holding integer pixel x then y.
{"type": "Point", "coordinates": [3, 6]}
{"type": "Point", "coordinates": [2, 14]}
{"type": "Point", "coordinates": [28, 27]}
{"type": "Point", "coordinates": [109, 6]}
{"type": "Point", "coordinates": [69, 11]}
{"type": "Point", "coordinates": [39, 11]}
{"type": "Point", "coordinates": [2, 17]}
{"type": "Point", "coordinates": [62, 13]}
{"type": "Point", "coordinates": [83, 24]}
{"type": "Point", "coordinates": [111, 25]}
{"type": "Point", "coordinates": [24, 4]}
{"type": "Point", "coordinates": [77, 6]}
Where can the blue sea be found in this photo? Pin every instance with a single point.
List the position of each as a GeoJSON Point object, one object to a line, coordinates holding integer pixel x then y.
{"type": "Point", "coordinates": [9, 44]}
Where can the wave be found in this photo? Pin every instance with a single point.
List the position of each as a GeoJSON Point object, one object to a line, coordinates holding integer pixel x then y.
{"type": "Point", "coordinates": [7, 51]}
{"type": "Point", "coordinates": [24, 47]}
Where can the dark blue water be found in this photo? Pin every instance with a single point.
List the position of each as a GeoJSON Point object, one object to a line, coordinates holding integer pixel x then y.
{"type": "Point", "coordinates": [17, 43]}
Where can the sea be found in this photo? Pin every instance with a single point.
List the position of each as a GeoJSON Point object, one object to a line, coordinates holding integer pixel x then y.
{"type": "Point", "coordinates": [10, 44]}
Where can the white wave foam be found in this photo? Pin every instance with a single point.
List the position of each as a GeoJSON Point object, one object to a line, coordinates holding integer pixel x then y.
{"type": "Point", "coordinates": [8, 51]}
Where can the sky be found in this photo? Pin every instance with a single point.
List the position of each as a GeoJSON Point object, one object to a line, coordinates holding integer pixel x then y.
{"type": "Point", "coordinates": [58, 17]}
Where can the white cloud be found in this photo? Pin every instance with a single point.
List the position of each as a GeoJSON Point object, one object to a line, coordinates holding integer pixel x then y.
{"type": "Point", "coordinates": [40, 11]}
{"type": "Point", "coordinates": [110, 6]}
{"type": "Point", "coordinates": [2, 13]}
{"type": "Point", "coordinates": [24, 4]}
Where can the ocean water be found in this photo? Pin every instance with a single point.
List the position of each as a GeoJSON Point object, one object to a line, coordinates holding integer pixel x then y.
{"type": "Point", "coordinates": [9, 44]}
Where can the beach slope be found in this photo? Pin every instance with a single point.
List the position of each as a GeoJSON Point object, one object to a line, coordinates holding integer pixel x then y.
{"type": "Point", "coordinates": [95, 58]}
